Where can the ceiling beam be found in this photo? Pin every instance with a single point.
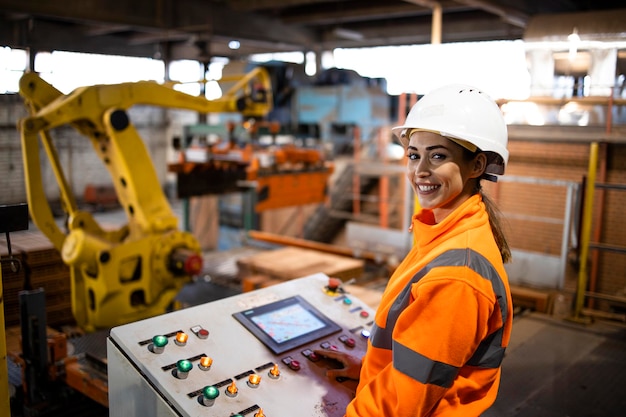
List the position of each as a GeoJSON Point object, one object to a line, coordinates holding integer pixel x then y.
{"type": "Point", "coordinates": [253, 5]}
{"type": "Point", "coordinates": [508, 14]}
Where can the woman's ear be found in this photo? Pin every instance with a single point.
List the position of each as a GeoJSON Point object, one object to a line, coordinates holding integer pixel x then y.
{"type": "Point", "coordinates": [480, 164]}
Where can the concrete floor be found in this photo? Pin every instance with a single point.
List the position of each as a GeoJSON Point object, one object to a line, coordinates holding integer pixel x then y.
{"type": "Point", "coordinates": [557, 368]}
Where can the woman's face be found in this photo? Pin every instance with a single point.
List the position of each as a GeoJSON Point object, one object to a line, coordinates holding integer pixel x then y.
{"type": "Point", "coordinates": [440, 173]}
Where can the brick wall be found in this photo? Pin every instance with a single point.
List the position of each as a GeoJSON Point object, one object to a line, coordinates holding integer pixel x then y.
{"type": "Point", "coordinates": [537, 209]}
{"type": "Point", "coordinates": [524, 205]}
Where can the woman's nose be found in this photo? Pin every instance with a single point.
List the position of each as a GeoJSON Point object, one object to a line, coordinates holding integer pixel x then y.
{"type": "Point", "coordinates": [421, 168]}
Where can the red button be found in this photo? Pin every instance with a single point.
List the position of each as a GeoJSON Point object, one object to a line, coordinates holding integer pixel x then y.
{"type": "Point", "coordinates": [203, 333]}
{"type": "Point", "coordinates": [295, 365]}
{"type": "Point", "coordinates": [334, 284]}
{"type": "Point", "coordinates": [364, 314]}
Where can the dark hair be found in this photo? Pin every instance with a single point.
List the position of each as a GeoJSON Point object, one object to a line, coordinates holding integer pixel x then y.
{"type": "Point", "coordinates": [495, 216]}
{"type": "Point", "coordinates": [495, 221]}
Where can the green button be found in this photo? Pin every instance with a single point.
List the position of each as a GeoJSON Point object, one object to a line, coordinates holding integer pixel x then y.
{"type": "Point", "coordinates": [184, 365]}
{"type": "Point", "coordinates": [210, 392]}
{"type": "Point", "coordinates": [159, 341]}
{"type": "Point", "coordinates": [347, 301]}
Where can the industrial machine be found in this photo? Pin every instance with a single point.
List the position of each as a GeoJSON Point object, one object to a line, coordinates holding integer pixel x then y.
{"type": "Point", "coordinates": [278, 174]}
{"type": "Point", "coordinates": [134, 272]}
{"type": "Point", "coordinates": [251, 354]}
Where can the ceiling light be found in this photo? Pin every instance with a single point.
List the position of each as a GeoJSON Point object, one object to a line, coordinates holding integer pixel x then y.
{"type": "Point", "coordinates": [348, 34]}
{"type": "Point", "coordinates": [234, 44]}
{"type": "Point", "coordinates": [573, 37]}
{"type": "Point", "coordinates": [574, 40]}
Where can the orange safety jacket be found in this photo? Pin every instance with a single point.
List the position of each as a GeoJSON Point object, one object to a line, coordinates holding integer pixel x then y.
{"type": "Point", "coordinates": [443, 323]}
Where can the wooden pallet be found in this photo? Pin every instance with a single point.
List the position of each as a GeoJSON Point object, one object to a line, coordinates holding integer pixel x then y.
{"type": "Point", "coordinates": [291, 262]}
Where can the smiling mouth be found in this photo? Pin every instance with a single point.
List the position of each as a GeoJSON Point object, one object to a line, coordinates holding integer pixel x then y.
{"type": "Point", "coordinates": [427, 188]}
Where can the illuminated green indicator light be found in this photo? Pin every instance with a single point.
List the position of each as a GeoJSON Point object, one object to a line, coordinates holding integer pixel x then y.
{"type": "Point", "coordinates": [210, 392]}
{"type": "Point", "coordinates": [159, 341]}
{"type": "Point", "coordinates": [347, 301]}
{"type": "Point", "coordinates": [184, 365]}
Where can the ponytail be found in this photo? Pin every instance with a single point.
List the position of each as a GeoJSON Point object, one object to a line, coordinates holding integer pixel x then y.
{"type": "Point", "coordinates": [495, 217]}
{"type": "Point", "coordinates": [495, 221]}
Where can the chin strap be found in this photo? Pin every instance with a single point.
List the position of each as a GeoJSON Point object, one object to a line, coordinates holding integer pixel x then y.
{"type": "Point", "coordinates": [489, 177]}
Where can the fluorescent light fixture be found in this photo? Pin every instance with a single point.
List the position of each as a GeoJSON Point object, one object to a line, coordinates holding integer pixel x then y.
{"type": "Point", "coordinates": [348, 34]}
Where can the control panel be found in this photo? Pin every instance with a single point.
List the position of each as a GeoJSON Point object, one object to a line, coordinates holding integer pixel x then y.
{"type": "Point", "coordinates": [250, 355]}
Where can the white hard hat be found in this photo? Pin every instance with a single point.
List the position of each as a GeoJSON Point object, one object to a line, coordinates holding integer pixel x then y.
{"type": "Point", "coordinates": [463, 113]}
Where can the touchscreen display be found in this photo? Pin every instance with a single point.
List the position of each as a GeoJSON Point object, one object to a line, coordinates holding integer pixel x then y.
{"type": "Point", "coordinates": [286, 324]}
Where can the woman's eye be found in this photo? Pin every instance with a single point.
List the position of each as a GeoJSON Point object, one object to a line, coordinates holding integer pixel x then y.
{"type": "Point", "coordinates": [438, 156]}
{"type": "Point", "coordinates": [413, 156]}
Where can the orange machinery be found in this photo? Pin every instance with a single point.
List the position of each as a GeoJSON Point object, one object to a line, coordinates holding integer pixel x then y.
{"type": "Point", "coordinates": [280, 175]}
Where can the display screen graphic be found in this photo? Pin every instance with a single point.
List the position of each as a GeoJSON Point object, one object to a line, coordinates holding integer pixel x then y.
{"type": "Point", "coordinates": [286, 324]}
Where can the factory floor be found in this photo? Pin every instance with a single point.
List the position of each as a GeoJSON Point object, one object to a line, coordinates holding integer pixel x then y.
{"type": "Point", "coordinates": [553, 367]}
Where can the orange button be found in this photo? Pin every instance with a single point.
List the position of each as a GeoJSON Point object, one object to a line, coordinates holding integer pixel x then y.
{"type": "Point", "coordinates": [254, 380]}
{"type": "Point", "coordinates": [274, 372]}
{"type": "Point", "coordinates": [181, 338]}
{"type": "Point", "coordinates": [205, 362]}
{"type": "Point", "coordinates": [232, 389]}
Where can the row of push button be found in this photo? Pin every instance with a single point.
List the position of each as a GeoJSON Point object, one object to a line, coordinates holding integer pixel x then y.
{"type": "Point", "coordinates": [157, 343]}
{"type": "Point", "coordinates": [210, 393]}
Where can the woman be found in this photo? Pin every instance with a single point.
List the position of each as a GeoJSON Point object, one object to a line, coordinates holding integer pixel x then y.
{"type": "Point", "coordinates": [445, 317]}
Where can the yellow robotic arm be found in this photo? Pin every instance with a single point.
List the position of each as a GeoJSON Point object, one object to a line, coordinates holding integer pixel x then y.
{"type": "Point", "coordinates": [134, 272]}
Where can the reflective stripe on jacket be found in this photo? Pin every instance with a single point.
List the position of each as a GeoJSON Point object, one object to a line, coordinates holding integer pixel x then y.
{"type": "Point", "coordinates": [490, 352]}
{"type": "Point", "coordinates": [443, 323]}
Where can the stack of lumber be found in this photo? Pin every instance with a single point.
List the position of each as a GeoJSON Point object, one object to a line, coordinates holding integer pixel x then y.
{"type": "Point", "coordinates": [275, 266]}
{"type": "Point", "coordinates": [41, 267]}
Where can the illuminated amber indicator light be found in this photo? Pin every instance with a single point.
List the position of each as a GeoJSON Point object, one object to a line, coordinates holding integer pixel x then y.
{"type": "Point", "coordinates": [259, 413]}
{"type": "Point", "coordinates": [209, 394]}
{"type": "Point", "coordinates": [181, 338]}
{"type": "Point", "coordinates": [232, 389]}
{"type": "Point", "coordinates": [158, 344]}
{"type": "Point", "coordinates": [274, 372]}
{"type": "Point", "coordinates": [254, 380]}
{"type": "Point", "coordinates": [183, 367]}
{"type": "Point", "coordinates": [205, 363]}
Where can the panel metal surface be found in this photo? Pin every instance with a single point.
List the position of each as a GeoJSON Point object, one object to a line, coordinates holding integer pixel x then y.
{"type": "Point", "coordinates": [142, 381]}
